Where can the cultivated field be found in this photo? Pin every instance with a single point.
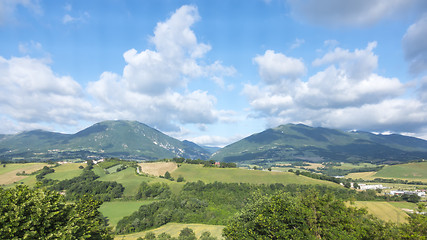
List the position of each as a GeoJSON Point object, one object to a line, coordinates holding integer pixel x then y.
{"type": "Point", "coordinates": [362, 175]}
{"type": "Point", "coordinates": [158, 168]}
{"type": "Point", "coordinates": [383, 210]}
{"type": "Point", "coordinates": [193, 173]}
{"type": "Point", "coordinates": [8, 173]}
{"type": "Point", "coordinates": [175, 228]}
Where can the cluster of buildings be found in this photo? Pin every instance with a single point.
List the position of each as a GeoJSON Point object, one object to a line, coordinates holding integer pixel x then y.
{"type": "Point", "coordinates": [420, 193]}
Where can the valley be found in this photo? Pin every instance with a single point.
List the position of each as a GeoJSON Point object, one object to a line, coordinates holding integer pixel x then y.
{"type": "Point", "coordinates": [116, 209]}
{"type": "Point", "coordinates": [152, 184]}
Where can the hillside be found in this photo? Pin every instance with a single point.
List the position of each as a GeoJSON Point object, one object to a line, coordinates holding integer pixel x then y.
{"type": "Point", "coordinates": [303, 143]}
{"type": "Point", "coordinates": [125, 139]}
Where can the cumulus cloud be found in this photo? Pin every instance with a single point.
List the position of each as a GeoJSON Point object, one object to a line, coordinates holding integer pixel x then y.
{"type": "Point", "coordinates": [346, 93]}
{"type": "Point", "coordinates": [277, 68]}
{"type": "Point", "coordinates": [32, 92]}
{"type": "Point", "coordinates": [153, 86]}
{"type": "Point", "coordinates": [415, 46]}
{"type": "Point", "coordinates": [349, 13]}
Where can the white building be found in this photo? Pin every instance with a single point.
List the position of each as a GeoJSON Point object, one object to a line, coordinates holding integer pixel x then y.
{"type": "Point", "coordinates": [373, 187]}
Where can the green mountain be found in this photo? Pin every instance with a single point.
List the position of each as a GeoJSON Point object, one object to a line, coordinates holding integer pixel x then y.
{"type": "Point", "coordinates": [124, 139]}
{"type": "Point", "coordinates": [303, 143]}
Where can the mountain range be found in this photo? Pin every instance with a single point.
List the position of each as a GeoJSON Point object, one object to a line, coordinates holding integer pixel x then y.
{"type": "Point", "coordinates": [298, 142]}
{"type": "Point", "coordinates": [290, 142]}
{"type": "Point", "coordinates": [124, 139]}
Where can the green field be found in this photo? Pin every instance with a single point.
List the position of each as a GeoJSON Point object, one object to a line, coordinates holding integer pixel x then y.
{"type": "Point", "coordinates": [348, 166]}
{"type": "Point", "coordinates": [405, 205]}
{"type": "Point", "coordinates": [383, 210]}
{"type": "Point", "coordinates": [193, 173]}
{"type": "Point", "coordinates": [66, 171]}
{"type": "Point", "coordinates": [116, 210]}
{"type": "Point", "coordinates": [411, 171]}
{"type": "Point", "coordinates": [175, 228]}
{"type": "Point", "coordinates": [131, 180]}
{"type": "Point", "coordinates": [8, 173]}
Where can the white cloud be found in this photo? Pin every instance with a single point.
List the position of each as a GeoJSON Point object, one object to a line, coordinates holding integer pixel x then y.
{"type": "Point", "coordinates": [31, 92]}
{"type": "Point", "coordinates": [217, 141]}
{"type": "Point", "coordinates": [415, 46]}
{"type": "Point", "coordinates": [276, 68]}
{"type": "Point", "coordinates": [347, 94]}
{"type": "Point", "coordinates": [153, 87]}
{"type": "Point", "coordinates": [339, 13]}
{"type": "Point", "coordinates": [83, 17]}
{"type": "Point", "coordinates": [358, 64]}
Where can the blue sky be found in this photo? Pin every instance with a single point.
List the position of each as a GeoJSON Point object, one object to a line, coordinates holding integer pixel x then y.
{"type": "Point", "coordinates": [214, 71]}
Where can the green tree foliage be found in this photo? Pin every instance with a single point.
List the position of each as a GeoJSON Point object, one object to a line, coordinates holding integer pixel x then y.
{"type": "Point", "coordinates": [150, 236]}
{"type": "Point", "coordinates": [308, 215]}
{"type": "Point", "coordinates": [43, 172]}
{"type": "Point", "coordinates": [211, 203]}
{"type": "Point", "coordinates": [416, 228]}
{"type": "Point", "coordinates": [153, 191]}
{"type": "Point", "coordinates": [187, 234]}
{"type": "Point", "coordinates": [168, 175]}
{"type": "Point", "coordinates": [207, 236]}
{"type": "Point", "coordinates": [42, 214]}
{"type": "Point", "coordinates": [86, 183]}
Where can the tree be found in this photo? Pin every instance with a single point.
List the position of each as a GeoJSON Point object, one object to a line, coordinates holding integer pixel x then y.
{"type": "Point", "coordinates": [416, 228]}
{"type": "Point", "coordinates": [187, 234]}
{"type": "Point", "coordinates": [150, 236]}
{"type": "Point", "coordinates": [42, 214]}
{"type": "Point", "coordinates": [207, 236]}
{"type": "Point", "coordinates": [167, 175]}
{"type": "Point", "coordinates": [180, 179]}
{"type": "Point", "coordinates": [307, 215]}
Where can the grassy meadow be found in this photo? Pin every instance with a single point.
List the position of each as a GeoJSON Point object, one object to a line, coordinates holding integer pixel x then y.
{"type": "Point", "coordinates": [175, 228]}
{"type": "Point", "coordinates": [116, 210]}
{"type": "Point", "coordinates": [416, 171]}
{"type": "Point", "coordinates": [66, 171]}
{"type": "Point", "coordinates": [8, 173]}
{"type": "Point", "coordinates": [383, 210]}
{"type": "Point", "coordinates": [193, 173]}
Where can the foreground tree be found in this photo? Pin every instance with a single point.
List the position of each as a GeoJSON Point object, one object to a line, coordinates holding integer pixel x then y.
{"type": "Point", "coordinates": [307, 215]}
{"type": "Point", "coordinates": [42, 214]}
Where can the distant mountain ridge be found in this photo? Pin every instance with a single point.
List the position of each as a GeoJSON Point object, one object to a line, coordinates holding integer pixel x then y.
{"type": "Point", "coordinates": [298, 142]}
{"type": "Point", "coordinates": [125, 139]}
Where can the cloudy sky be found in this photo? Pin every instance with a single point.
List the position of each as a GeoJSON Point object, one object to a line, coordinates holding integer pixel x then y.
{"type": "Point", "coordinates": [214, 71]}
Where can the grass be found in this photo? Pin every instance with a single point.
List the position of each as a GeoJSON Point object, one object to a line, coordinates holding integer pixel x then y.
{"type": "Point", "coordinates": [362, 175]}
{"type": "Point", "coordinates": [348, 166]}
{"type": "Point", "coordinates": [175, 228]}
{"type": "Point", "coordinates": [158, 168]}
{"type": "Point", "coordinates": [114, 168]}
{"type": "Point", "coordinates": [416, 171]}
{"type": "Point", "coordinates": [66, 171]}
{"type": "Point", "coordinates": [193, 173]}
{"type": "Point", "coordinates": [383, 210]}
{"type": "Point", "coordinates": [8, 174]}
{"type": "Point", "coordinates": [116, 210]}
{"type": "Point", "coordinates": [405, 205]}
{"type": "Point", "coordinates": [128, 178]}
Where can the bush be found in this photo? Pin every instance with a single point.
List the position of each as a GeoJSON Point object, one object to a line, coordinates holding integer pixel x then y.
{"type": "Point", "coordinates": [42, 214]}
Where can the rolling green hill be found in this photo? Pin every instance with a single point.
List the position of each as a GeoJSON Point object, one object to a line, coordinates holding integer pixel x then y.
{"type": "Point", "coordinates": [125, 139]}
{"type": "Point", "coordinates": [303, 143]}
